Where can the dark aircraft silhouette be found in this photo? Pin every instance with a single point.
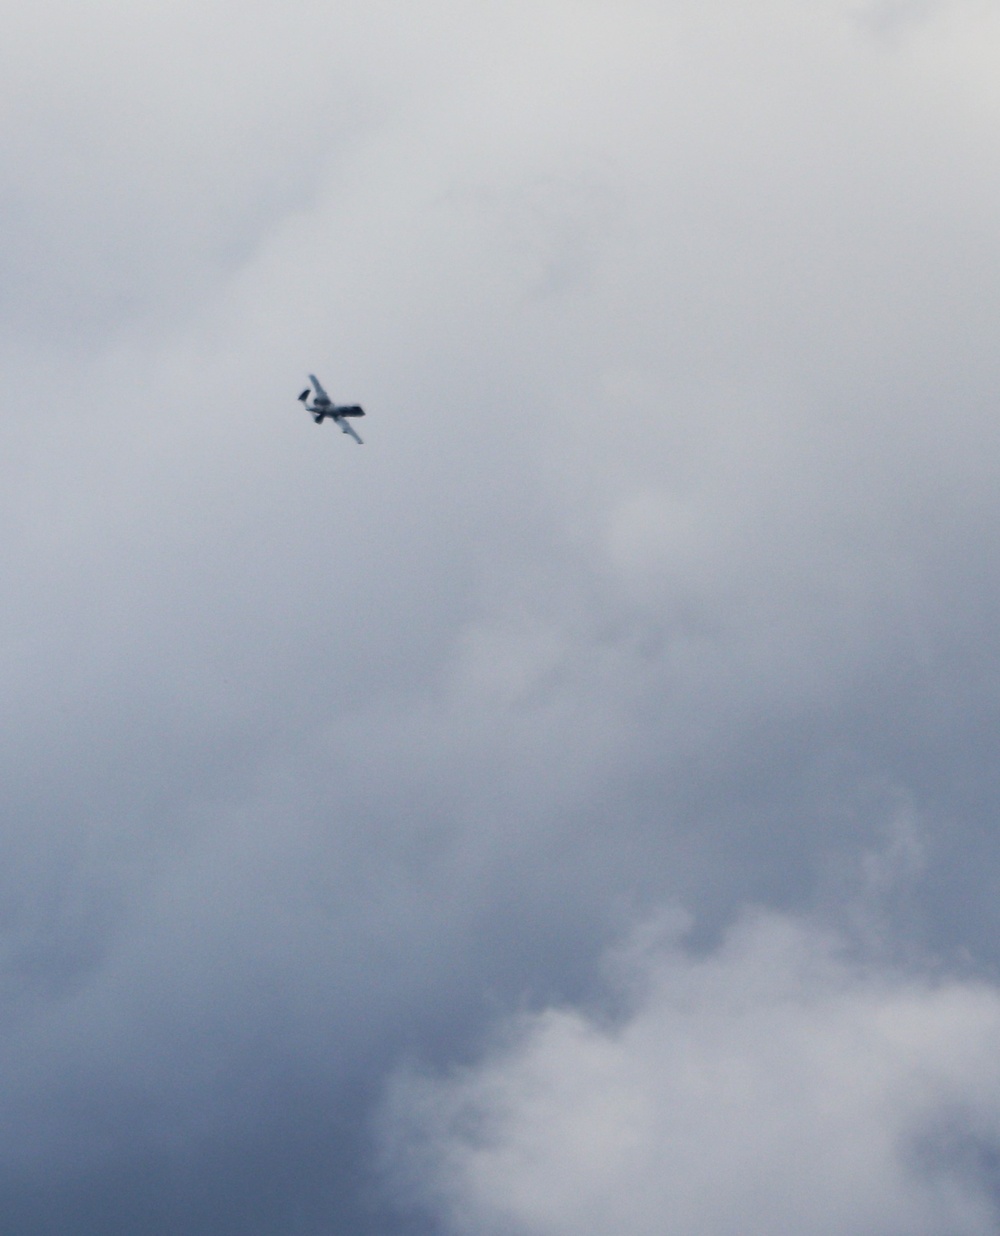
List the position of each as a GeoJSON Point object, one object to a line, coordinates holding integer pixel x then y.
{"type": "Point", "coordinates": [323, 406]}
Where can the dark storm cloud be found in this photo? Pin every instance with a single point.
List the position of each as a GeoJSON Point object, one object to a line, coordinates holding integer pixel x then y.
{"type": "Point", "coordinates": [665, 576]}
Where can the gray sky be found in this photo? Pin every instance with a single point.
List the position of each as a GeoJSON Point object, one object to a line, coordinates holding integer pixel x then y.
{"type": "Point", "coordinates": [575, 811]}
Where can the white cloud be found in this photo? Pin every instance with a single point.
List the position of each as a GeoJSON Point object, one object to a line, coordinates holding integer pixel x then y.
{"type": "Point", "coordinates": [772, 1086]}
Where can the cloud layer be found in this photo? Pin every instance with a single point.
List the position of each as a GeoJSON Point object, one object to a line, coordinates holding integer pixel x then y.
{"type": "Point", "coordinates": [772, 1085]}
{"type": "Point", "coordinates": [666, 575]}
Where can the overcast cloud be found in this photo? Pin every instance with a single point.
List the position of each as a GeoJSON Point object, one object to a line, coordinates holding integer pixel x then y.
{"type": "Point", "coordinates": [342, 785]}
{"type": "Point", "coordinates": [769, 1086]}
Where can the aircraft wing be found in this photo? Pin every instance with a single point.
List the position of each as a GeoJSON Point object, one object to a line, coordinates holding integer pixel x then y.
{"type": "Point", "coordinates": [347, 427]}
{"type": "Point", "coordinates": [320, 392]}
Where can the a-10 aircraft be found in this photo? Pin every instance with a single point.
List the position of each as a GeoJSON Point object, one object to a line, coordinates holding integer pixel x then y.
{"type": "Point", "coordinates": [323, 406]}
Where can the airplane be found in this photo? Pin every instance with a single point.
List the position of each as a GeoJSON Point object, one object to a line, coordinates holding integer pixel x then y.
{"type": "Point", "coordinates": [323, 406]}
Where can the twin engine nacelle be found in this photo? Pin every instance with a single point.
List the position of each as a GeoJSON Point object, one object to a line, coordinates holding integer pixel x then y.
{"type": "Point", "coordinates": [318, 404]}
